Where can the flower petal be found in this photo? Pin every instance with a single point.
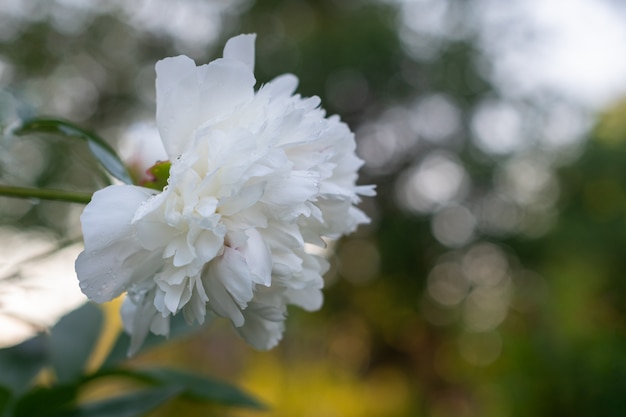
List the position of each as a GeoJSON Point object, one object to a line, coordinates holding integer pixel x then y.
{"type": "Point", "coordinates": [234, 274]}
{"type": "Point", "coordinates": [241, 200]}
{"type": "Point", "coordinates": [101, 268]}
{"type": "Point", "coordinates": [106, 219]}
{"type": "Point", "coordinates": [291, 193]}
{"type": "Point", "coordinates": [258, 258]}
{"type": "Point", "coordinates": [139, 317]}
{"type": "Point", "coordinates": [264, 325]}
{"type": "Point", "coordinates": [220, 300]}
{"type": "Point", "coordinates": [224, 83]}
{"type": "Point", "coordinates": [310, 299]}
{"type": "Point", "coordinates": [283, 85]}
{"type": "Point", "coordinates": [241, 48]}
{"type": "Point", "coordinates": [176, 86]}
{"type": "Point", "coordinates": [190, 96]}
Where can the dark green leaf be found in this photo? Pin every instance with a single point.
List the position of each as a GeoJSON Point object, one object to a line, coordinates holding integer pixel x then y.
{"type": "Point", "coordinates": [5, 401]}
{"type": "Point", "coordinates": [73, 339]}
{"type": "Point", "coordinates": [99, 148]}
{"type": "Point", "coordinates": [131, 405]}
{"type": "Point", "coordinates": [192, 386]}
{"type": "Point", "coordinates": [202, 388]}
{"type": "Point", "coordinates": [46, 401]}
{"type": "Point", "coordinates": [119, 352]}
{"type": "Point", "coordinates": [59, 400]}
{"type": "Point", "coordinates": [21, 363]}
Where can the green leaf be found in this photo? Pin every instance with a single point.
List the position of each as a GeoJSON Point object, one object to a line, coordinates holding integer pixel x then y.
{"type": "Point", "coordinates": [191, 386]}
{"type": "Point", "coordinates": [98, 147]}
{"type": "Point", "coordinates": [21, 363]}
{"type": "Point", "coordinates": [46, 401]}
{"type": "Point", "coordinates": [72, 341]}
{"type": "Point", "coordinates": [5, 401]}
{"type": "Point", "coordinates": [119, 352]}
{"type": "Point", "coordinates": [131, 405]}
{"type": "Point", "coordinates": [201, 388]}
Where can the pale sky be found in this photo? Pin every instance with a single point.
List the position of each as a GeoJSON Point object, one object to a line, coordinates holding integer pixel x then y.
{"type": "Point", "coordinates": [572, 47]}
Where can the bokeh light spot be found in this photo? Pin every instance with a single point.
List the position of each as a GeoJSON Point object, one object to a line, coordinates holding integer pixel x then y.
{"type": "Point", "coordinates": [497, 127]}
{"type": "Point", "coordinates": [437, 118]}
{"type": "Point", "coordinates": [480, 349]}
{"type": "Point", "coordinates": [453, 226]}
{"type": "Point", "coordinates": [438, 180]}
{"type": "Point", "coordinates": [447, 285]}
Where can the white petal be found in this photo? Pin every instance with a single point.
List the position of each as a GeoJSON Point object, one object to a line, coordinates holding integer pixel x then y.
{"type": "Point", "coordinates": [220, 300]}
{"type": "Point", "coordinates": [242, 200]}
{"type": "Point", "coordinates": [366, 190]}
{"type": "Point", "coordinates": [171, 70]}
{"type": "Point", "coordinates": [310, 299]}
{"type": "Point", "coordinates": [258, 257]}
{"type": "Point", "coordinates": [176, 295]}
{"type": "Point", "coordinates": [288, 235]}
{"type": "Point", "coordinates": [208, 245]}
{"type": "Point", "coordinates": [160, 325]}
{"type": "Point", "coordinates": [264, 325]}
{"type": "Point", "coordinates": [295, 189]}
{"type": "Point", "coordinates": [223, 85]}
{"type": "Point", "coordinates": [241, 48]}
{"type": "Point", "coordinates": [283, 85]}
{"type": "Point", "coordinates": [139, 316]}
{"type": "Point", "coordinates": [177, 102]}
{"type": "Point", "coordinates": [184, 254]}
{"type": "Point", "coordinates": [107, 218]}
{"type": "Point", "coordinates": [188, 99]}
{"type": "Point", "coordinates": [101, 268]}
{"type": "Point", "coordinates": [195, 309]}
{"type": "Point", "coordinates": [153, 234]}
{"type": "Point", "coordinates": [96, 274]}
{"type": "Point", "coordinates": [233, 272]}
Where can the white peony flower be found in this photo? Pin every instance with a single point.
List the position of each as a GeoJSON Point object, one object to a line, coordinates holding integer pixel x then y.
{"type": "Point", "coordinates": [255, 176]}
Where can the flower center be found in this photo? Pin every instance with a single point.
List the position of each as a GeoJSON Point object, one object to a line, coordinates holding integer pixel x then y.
{"type": "Point", "coordinates": [158, 175]}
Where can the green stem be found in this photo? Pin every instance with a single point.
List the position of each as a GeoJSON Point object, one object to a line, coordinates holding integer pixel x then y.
{"type": "Point", "coordinates": [45, 194]}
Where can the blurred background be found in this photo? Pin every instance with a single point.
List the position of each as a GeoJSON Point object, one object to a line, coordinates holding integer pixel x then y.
{"type": "Point", "coordinates": [490, 282]}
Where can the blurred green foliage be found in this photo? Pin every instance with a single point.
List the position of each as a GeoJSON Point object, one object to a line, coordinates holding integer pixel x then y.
{"type": "Point", "coordinates": [521, 315]}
